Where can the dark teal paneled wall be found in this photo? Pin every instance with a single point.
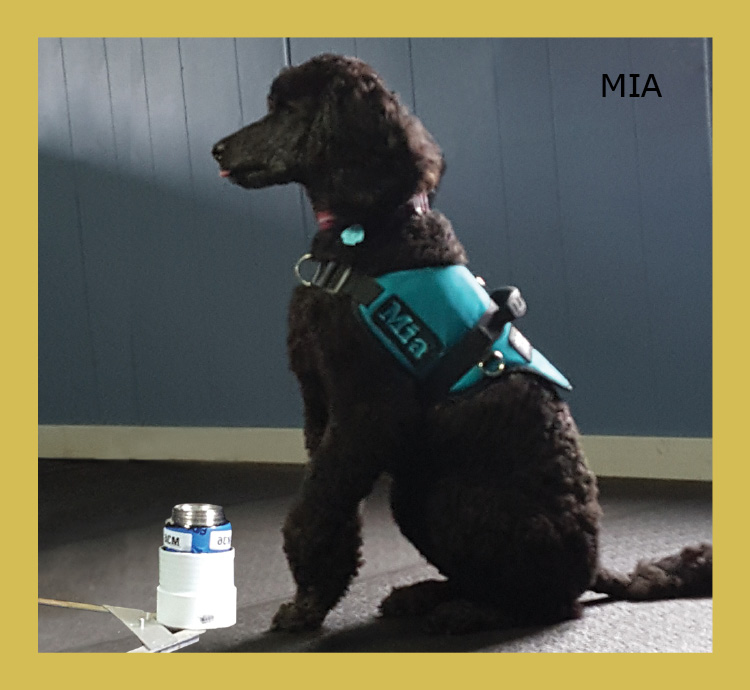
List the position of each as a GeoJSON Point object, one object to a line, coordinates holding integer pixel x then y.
{"type": "Point", "coordinates": [162, 290]}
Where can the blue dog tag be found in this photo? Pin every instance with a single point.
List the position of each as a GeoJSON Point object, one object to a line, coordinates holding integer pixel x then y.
{"type": "Point", "coordinates": [353, 235]}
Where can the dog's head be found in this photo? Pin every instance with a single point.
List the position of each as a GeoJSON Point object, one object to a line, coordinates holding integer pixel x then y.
{"type": "Point", "coordinates": [333, 126]}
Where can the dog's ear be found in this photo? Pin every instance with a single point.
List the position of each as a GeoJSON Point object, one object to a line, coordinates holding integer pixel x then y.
{"type": "Point", "coordinates": [427, 156]}
{"type": "Point", "coordinates": [407, 142]}
{"type": "Point", "coordinates": [364, 136]}
{"type": "Point", "coordinates": [408, 131]}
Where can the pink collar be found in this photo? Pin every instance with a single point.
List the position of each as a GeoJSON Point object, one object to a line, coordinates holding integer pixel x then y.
{"type": "Point", "coordinates": [419, 204]}
{"type": "Point", "coordinates": [326, 220]}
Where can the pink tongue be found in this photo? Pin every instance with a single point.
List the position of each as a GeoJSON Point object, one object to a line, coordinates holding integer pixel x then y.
{"type": "Point", "coordinates": [224, 173]}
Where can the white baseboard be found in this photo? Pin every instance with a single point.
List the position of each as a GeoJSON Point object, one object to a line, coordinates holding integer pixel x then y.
{"type": "Point", "coordinates": [608, 456]}
{"type": "Point", "coordinates": [650, 457]}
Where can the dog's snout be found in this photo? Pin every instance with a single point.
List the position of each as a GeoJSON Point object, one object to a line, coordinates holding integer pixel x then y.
{"type": "Point", "coordinates": [218, 151]}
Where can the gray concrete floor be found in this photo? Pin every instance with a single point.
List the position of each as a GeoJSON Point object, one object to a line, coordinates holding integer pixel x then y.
{"type": "Point", "coordinates": [100, 529]}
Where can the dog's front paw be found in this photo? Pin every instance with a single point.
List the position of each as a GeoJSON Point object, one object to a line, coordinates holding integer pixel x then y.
{"type": "Point", "coordinates": [296, 617]}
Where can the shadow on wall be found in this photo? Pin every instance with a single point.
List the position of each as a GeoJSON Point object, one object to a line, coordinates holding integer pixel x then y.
{"type": "Point", "coordinates": [158, 308]}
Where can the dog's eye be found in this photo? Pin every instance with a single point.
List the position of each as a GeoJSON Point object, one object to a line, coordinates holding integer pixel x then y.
{"type": "Point", "coordinates": [288, 106]}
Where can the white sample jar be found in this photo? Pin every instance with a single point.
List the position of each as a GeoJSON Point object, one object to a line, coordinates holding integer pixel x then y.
{"type": "Point", "coordinates": [196, 569]}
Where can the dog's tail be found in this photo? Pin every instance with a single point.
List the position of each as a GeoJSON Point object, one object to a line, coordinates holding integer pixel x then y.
{"type": "Point", "coordinates": [688, 573]}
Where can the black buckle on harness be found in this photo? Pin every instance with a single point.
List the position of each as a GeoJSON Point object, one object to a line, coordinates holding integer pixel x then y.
{"type": "Point", "coordinates": [328, 276]}
{"type": "Point", "coordinates": [336, 279]}
{"type": "Point", "coordinates": [331, 277]}
{"type": "Point", "coordinates": [511, 305]}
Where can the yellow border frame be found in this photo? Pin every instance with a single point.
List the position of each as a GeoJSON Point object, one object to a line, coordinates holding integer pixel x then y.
{"type": "Point", "coordinates": [387, 18]}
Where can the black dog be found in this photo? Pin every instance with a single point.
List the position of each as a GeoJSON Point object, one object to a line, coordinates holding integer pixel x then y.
{"type": "Point", "coordinates": [489, 483]}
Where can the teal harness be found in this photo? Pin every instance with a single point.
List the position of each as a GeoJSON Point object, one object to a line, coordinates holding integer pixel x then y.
{"type": "Point", "coordinates": [439, 323]}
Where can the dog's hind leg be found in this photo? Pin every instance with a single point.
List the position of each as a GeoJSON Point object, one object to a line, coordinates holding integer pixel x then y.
{"type": "Point", "coordinates": [418, 599]}
{"type": "Point", "coordinates": [445, 611]}
{"type": "Point", "coordinates": [460, 616]}
{"type": "Point", "coordinates": [507, 561]}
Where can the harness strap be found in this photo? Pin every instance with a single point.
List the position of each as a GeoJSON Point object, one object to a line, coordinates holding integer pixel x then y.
{"type": "Point", "coordinates": [465, 354]}
{"type": "Point", "coordinates": [337, 279]}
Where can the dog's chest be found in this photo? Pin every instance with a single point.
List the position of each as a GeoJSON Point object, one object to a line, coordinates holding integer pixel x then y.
{"type": "Point", "coordinates": [325, 335]}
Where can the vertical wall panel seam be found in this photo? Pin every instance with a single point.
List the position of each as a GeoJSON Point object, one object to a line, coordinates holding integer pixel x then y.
{"type": "Point", "coordinates": [307, 232]}
{"type": "Point", "coordinates": [239, 85]}
{"type": "Point", "coordinates": [148, 112]}
{"type": "Point", "coordinates": [135, 397]}
{"type": "Point", "coordinates": [79, 230]}
{"type": "Point", "coordinates": [653, 373]}
{"type": "Point", "coordinates": [500, 153]}
{"type": "Point", "coordinates": [141, 408]}
{"type": "Point", "coordinates": [187, 124]}
{"type": "Point", "coordinates": [111, 106]}
{"type": "Point", "coordinates": [411, 75]}
{"type": "Point", "coordinates": [239, 97]}
{"type": "Point", "coordinates": [558, 200]}
{"type": "Point", "coordinates": [708, 84]}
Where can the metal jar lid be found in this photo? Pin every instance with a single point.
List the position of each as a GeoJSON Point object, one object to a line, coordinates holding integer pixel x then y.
{"type": "Point", "coordinates": [197, 515]}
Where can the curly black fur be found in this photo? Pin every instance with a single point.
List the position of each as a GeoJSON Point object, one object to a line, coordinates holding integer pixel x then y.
{"type": "Point", "coordinates": [492, 487]}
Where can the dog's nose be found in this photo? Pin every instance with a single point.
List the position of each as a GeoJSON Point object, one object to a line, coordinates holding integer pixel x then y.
{"type": "Point", "coordinates": [218, 151]}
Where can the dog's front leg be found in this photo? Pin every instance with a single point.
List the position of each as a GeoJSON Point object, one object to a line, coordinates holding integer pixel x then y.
{"type": "Point", "coordinates": [322, 537]}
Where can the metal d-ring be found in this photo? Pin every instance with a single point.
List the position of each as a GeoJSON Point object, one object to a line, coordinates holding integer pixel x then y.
{"type": "Point", "coordinates": [302, 259]}
{"type": "Point", "coordinates": [496, 358]}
